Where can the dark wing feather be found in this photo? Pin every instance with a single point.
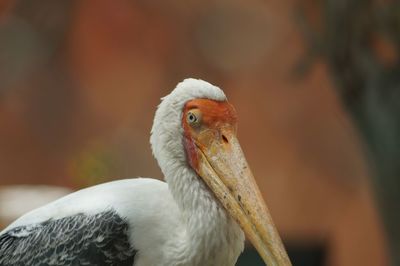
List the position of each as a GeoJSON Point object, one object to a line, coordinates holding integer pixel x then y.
{"type": "Point", "coordinates": [100, 239]}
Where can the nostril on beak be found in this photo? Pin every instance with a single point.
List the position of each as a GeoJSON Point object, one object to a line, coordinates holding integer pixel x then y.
{"type": "Point", "coordinates": [225, 139]}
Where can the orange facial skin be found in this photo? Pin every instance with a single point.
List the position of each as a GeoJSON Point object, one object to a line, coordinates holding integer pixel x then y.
{"type": "Point", "coordinates": [214, 116]}
{"type": "Point", "coordinates": [213, 112]}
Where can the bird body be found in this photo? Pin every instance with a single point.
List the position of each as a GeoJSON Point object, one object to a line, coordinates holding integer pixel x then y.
{"type": "Point", "coordinates": [194, 218]}
{"type": "Point", "coordinates": [134, 202]}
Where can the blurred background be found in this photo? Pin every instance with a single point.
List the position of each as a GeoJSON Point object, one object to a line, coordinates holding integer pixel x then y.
{"type": "Point", "coordinates": [315, 83]}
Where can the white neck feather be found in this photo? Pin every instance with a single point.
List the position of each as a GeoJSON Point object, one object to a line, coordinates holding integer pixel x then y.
{"type": "Point", "coordinates": [211, 236]}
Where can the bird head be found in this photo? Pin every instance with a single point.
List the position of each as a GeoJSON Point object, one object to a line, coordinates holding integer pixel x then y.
{"type": "Point", "coordinates": [205, 123]}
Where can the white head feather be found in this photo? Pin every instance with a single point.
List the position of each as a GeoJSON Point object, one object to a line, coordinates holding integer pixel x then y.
{"type": "Point", "coordinates": [167, 132]}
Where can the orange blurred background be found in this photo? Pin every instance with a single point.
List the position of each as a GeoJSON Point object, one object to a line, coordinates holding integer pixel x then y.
{"type": "Point", "coordinates": [80, 82]}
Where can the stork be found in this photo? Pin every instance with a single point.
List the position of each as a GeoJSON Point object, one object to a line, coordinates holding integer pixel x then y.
{"type": "Point", "coordinates": [195, 218]}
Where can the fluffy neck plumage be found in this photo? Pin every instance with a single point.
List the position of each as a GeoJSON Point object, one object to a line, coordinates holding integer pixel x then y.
{"type": "Point", "coordinates": [210, 237]}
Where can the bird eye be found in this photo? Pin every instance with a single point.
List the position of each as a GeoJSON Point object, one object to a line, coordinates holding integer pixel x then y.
{"type": "Point", "coordinates": [192, 118]}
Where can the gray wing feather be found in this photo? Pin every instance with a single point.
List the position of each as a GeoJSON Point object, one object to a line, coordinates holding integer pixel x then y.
{"type": "Point", "coordinates": [100, 239]}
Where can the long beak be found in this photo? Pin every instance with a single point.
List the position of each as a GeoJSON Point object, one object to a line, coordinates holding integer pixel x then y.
{"type": "Point", "coordinates": [223, 167]}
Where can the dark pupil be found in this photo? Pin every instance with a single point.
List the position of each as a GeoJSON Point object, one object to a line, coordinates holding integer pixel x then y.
{"type": "Point", "coordinates": [191, 118]}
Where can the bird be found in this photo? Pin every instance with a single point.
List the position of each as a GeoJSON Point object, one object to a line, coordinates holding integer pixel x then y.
{"type": "Point", "coordinates": [198, 216]}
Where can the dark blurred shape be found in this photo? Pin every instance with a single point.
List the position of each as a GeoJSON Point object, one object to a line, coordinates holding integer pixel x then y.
{"type": "Point", "coordinates": [360, 41]}
{"type": "Point", "coordinates": [30, 37]}
{"type": "Point", "coordinates": [300, 255]}
{"type": "Point", "coordinates": [21, 50]}
{"type": "Point", "coordinates": [307, 254]}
